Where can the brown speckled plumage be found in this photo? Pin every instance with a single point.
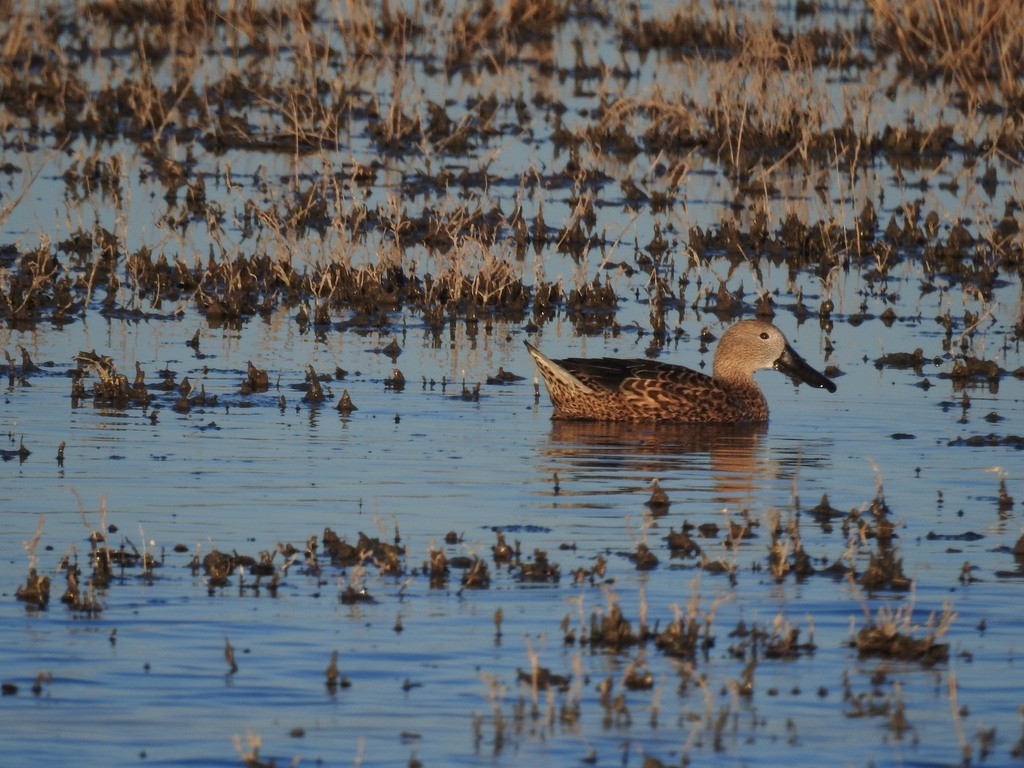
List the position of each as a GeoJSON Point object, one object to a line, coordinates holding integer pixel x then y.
{"type": "Point", "coordinates": [609, 389]}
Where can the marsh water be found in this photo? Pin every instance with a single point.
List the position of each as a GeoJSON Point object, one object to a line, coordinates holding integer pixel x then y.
{"type": "Point", "coordinates": [562, 654]}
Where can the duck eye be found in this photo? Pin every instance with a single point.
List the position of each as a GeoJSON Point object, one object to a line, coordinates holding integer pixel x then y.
{"type": "Point", "coordinates": [764, 335]}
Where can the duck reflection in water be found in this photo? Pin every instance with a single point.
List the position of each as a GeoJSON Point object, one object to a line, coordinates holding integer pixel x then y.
{"type": "Point", "coordinates": [723, 458]}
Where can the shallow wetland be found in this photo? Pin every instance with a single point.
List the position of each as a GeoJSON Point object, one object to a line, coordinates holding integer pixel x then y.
{"type": "Point", "coordinates": [279, 484]}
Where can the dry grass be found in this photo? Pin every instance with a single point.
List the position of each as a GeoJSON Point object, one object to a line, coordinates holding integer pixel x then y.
{"type": "Point", "coordinates": [976, 43]}
{"type": "Point", "coordinates": [389, 121]}
{"type": "Point", "coordinates": [892, 633]}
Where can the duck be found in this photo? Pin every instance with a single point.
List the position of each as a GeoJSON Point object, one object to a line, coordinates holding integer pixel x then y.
{"type": "Point", "coordinates": [638, 390]}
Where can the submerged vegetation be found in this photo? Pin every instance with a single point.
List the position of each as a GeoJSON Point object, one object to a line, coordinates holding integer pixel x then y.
{"type": "Point", "coordinates": [455, 170]}
{"type": "Point", "coordinates": [384, 573]}
{"type": "Point", "coordinates": [367, 569]}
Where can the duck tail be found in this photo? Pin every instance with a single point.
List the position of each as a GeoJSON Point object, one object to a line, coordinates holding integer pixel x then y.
{"type": "Point", "coordinates": [555, 376]}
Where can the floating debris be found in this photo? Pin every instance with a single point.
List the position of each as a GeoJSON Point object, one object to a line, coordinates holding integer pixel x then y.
{"type": "Point", "coordinates": [315, 392]}
{"type": "Point", "coordinates": [890, 635]}
{"type": "Point", "coordinates": [540, 569]}
{"type": "Point", "coordinates": [396, 381]}
{"type": "Point", "coordinates": [611, 629]}
{"type": "Point", "coordinates": [345, 404]}
{"type": "Point", "coordinates": [824, 512]}
{"type": "Point", "coordinates": [21, 452]}
{"type": "Point", "coordinates": [1005, 504]}
{"type": "Point", "coordinates": [903, 360]}
{"type": "Point", "coordinates": [229, 657]}
{"type": "Point", "coordinates": [543, 679]}
{"type": "Point", "coordinates": [504, 377]}
{"type": "Point", "coordinates": [502, 552]}
{"type": "Point", "coordinates": [334, 678]}
{"type": "Point", "coordinates": [36, 590]}
{"type": "Point", "coordinates": [477, 575]}
{"type": "Point", "coordinates": [990, 440]}
{"type": "Point", "coordinates": [973, 369]}
{"type": "Point", "coordinates": [643, 557]}
{"type": "Point", "coordinates": [257, 380]}
{"type": "Point", "coordinates": [437, 568]}
{"type": "Point", "coordinates": [113, 388]}
{"type": "Point", "coordinates": [885, 567]}
{"type": "Point", "coordinates": [659, 501]}
{"type": "Point", "coordinates": [352, 594]}
{"type": "Point", "coordinates": [470, 395]}
{"type": "Point", "coordinates": [218, 566]}
{"type": "Point", "coordinates": [681, 543]}
{"type": "Point", "coordinates": [27, 366]}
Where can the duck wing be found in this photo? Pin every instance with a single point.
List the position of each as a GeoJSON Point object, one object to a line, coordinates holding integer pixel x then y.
{"type": "Point", "coordinates": [610, 373]}
{"type": "Point", "coordinates": [653, 391]}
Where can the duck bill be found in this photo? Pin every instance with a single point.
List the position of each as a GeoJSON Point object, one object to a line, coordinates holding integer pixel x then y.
{"type": "Point", "coordinates": [794, 366]}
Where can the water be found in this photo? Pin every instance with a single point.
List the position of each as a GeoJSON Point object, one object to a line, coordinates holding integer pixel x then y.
{"type": "Point", "coordinates": [434, 675]}
{"type": "Point", "coordinates": [262, 475]}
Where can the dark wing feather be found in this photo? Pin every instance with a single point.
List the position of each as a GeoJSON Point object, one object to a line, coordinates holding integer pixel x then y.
{"type": "Point", "coordinates": [610, 373]}
{"type": "Point", "coordinates": [655, 391]}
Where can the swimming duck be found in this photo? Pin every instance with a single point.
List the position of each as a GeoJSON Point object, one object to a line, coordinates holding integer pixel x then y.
{"type": "Point", "coordinates": [609, 389]}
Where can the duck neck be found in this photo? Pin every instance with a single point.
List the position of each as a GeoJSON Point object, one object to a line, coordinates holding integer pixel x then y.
{"type": "Point", "coordinates": [727, 372]}
{"type": "Point", "coordinates": [752, 398]}
{"type": "Point", "coordinates": [742, 388]}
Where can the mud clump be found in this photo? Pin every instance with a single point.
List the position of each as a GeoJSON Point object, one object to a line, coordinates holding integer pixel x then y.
{"type": "Point", "coordinates": [113, 387]}
{"type": "Point", "coordinates": [540, 569]}
{"type": "Point", "coordinates": [256, 380]}
{"type": "Point", "coordinates": [36, 590]}
{"type": "Point", "coordinates": [882, 640]}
